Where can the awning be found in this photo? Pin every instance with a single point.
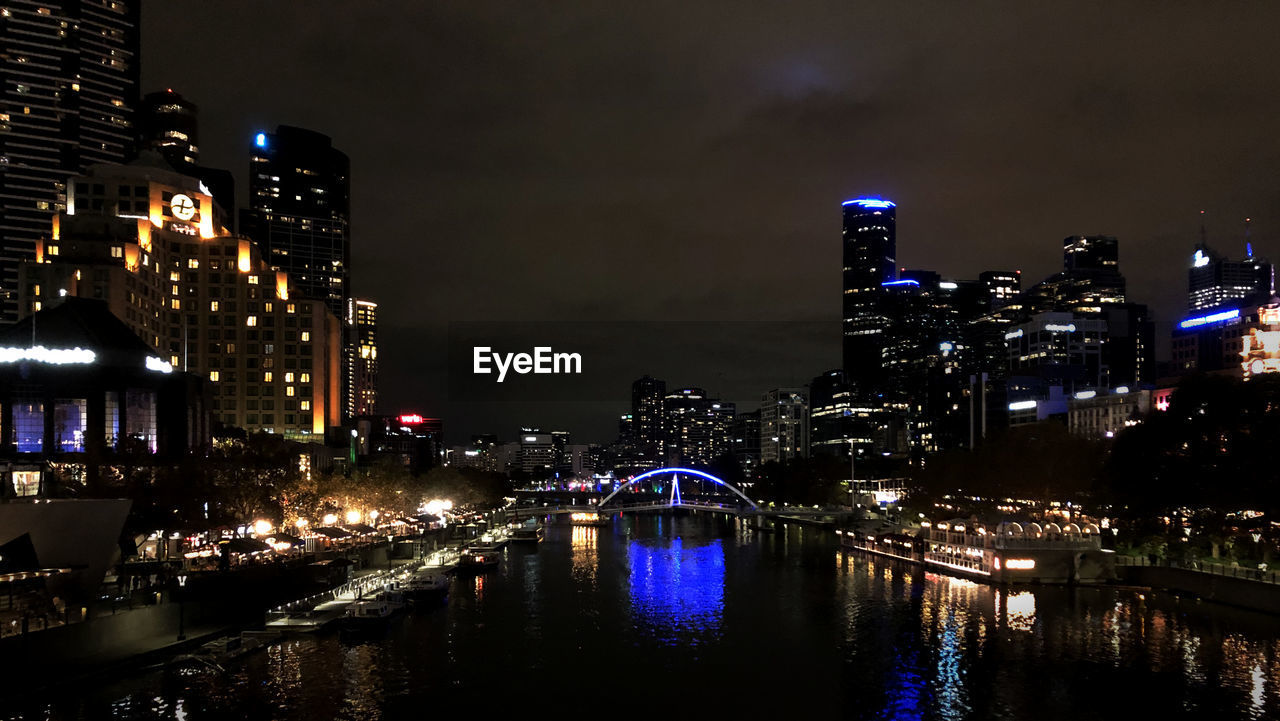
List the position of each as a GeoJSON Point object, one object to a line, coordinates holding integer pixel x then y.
{"type": "Point", "coordinates": [244, 545]}
{"type": "Point", "coordinates": [362, 528]}
{"type": "Point", "coordinates": [332, 532]}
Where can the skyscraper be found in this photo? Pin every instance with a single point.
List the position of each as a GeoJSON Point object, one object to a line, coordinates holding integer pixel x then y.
{"type": "Point", "coordinates": [1214, 281]}
{"type": "Point", "coordinates": [870, 257]}
{"type": "Point", "coordinates": [169, 124]}
{"type": "Point", "coordinates": [362, 397]}
{"type": "Point", "coordinates": [299, 212]}
{"type": "Point", "coordinates": [69, 72]}
{"type": "Point", "coordinates": [647, 415]}
{"type": "Point", "coordinates": [784, 425]}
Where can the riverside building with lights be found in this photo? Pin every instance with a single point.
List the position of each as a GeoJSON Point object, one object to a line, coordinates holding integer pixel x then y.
{"type": "Point", "coordinates": [153, 245]}
{"type": "Point", "coordinates": [80, 392]}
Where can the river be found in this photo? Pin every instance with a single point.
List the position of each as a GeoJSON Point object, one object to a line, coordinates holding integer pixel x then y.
{"type": "Point", "coordinates": [696, 616]}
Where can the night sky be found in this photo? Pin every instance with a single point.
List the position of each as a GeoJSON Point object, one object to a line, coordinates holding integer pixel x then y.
{"type": "Point", "coordinates": [609, 162]}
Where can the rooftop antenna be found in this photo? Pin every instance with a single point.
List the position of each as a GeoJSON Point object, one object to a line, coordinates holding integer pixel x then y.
{"type": "Point", "coordinates": [1204, 234]}
{"type": "Point", "coordinates": [1248, 242]}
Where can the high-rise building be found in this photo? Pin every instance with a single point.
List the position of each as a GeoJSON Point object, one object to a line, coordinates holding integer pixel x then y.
{"type": "Point", "coordinates": [784, 425]}
{"type": "Point", "coordinates": [647, 415]}
{"type": "Point", "coordinates": [153, 245]}
{"type": "Point", "coordinates": [1001, 286]}
{"type": "Point", "coordinates": [1090, 279]}
{"type": "Point", "coordinates": [69, 73]}
{"type": "Point", "coordinates": [870, 257]}
{"type": "Point", "coordinates": [300, 213]}
{"type": "Point", "coordinates": [830, 414]}
{"type": "Point", "coordinates": [745, 439]}
{"type": "Point", "coordinates": [300, 209]}
{"type": "Point", "coordinates": [697, 427]}
{"type": "Point", "coordinates": [363, 395]}
{"type": "Point", "coordinates": [1214, 281]}
{"type": "Point", "coordinates": [537, 452]}
{"type": "Point", "coordinates": [169, 124]}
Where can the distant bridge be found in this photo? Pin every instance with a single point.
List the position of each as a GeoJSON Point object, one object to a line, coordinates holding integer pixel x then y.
{"type": "Point", "coordinates": [741, 505]}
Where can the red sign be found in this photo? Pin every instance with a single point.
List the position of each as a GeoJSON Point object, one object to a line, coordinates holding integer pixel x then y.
{"type": "Point", "coordinates": [411, 418]}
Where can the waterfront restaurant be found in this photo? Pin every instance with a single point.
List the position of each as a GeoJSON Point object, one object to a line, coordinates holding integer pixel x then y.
{"type": "Point", "coordinates": [1013, 552]}
{"type": "Point", "coordinates": [79, 392]}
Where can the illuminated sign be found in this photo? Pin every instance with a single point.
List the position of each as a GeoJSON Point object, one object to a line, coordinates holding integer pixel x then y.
{"type": "Point", "coordinates": [944, 346]}
{"type": "Point", "coordinates": [53, 356]}
{"type": "Point", "coordinates": [1199, 260]}
{"type": "Point", "coordinates": [1121, 390]}
{"type": "Point", "coordinates": [530, 439]}
{"type": "Point", "coordinates": [260, 140]}
{"type": "Point", "coordinates": [1056, 328]}
{"type": "Point", "coordinates": [869, 203]}
{"type": "Point", "coordinates": [948, 285]}
{"type": "Point", "coordinates": [901, 282]}
{"type": "Point", "coordinates": [1085, 395]}
{"type": "Point", "coordinates": [182, 207]}
{"type": "Point", "coordinates": [1261, 352]}
{"type": "Point", "coordinates": [1269, 315]}
{"type": "Point", "coordinates": [1013, 334]}
{"type": "Point", "coordinates": [1020, 564]}
{"type": "Point", "coordinates": [1211, 318]}
{"type": "Point", "coordinates": [1022, 405]}
{"type": "Point", "coordinates": [410, 418]}
{"type": "Point", "coordinates": [155, 364]}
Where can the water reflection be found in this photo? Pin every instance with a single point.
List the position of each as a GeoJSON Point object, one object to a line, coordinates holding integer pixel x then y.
{"type": "Point", "coordinates": [677, 588]}
{"type": "Point", "coordinates": [583, 554]}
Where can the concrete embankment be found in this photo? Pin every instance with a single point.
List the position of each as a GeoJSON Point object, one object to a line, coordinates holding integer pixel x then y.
{"type": "Point", "coordinates": [1242, 592]}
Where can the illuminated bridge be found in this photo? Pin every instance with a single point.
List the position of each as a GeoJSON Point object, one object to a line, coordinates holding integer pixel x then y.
{"type": "Point", "coordinates": [665, 489]}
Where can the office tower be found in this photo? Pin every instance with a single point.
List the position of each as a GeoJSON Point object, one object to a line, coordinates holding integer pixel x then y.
{"type": "Point", "coordinates": [363, 395]}
{"type": "Point", "coordinates": [1090, 279]}
{"type": "Point", "coordinates": [647, 415]}
{"type": "Point", "coordinates": [1002, 286]}
{"type": "Point", "coordinates": [697, 427]}
{"type": "Point", "coordinates": [870, 257]}
{"type": "Point", "coordinates": [154, 246]}
{"type": "Point", "coordinates": [1053, 357]}
{"type": "Point", "coordinates": [745, 440]}
{"type": "Point", "coordinates": [784, 425]}
{"type": "Point", "coordinates": [169, 125]}
{"type": "Point", "coordinates": [69, 73]}
{"type": "Point", "coordinates": [537, 452]}
{"type": "Point", "coordinates": [299, 212]}
{"type": "Point", "coordinates": [413, 440]}
{"type": "Point", "coordinates": [830, 414]}
{"type": "Point", "coordinates": [1215, 281]}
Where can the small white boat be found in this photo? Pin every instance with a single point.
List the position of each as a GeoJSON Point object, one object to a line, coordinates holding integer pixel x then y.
{"type": "Point", "coordinates": [528, 532]}
{"type": "Point", "coordinates": [368, 613]}
{"type": "Point", "coordinates": [426, 584]}
{"type": "Point", "coordinates": [218, 653]}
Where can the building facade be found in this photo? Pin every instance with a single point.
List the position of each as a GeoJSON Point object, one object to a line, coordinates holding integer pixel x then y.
{"type": "Point", "coordinates": [362, 397]}
{"type": "Point", "coordinates": [784, 425]}
{"type": "Point", "coordinates": [152, 244]}
{"type": "Point", "coordinates": [870, 262]}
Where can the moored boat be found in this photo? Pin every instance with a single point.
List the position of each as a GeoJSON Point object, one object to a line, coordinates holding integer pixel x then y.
{"type": "Point", "coordinates": [528, 532]}
{"type": "Point", "coordinates": [474, 560]}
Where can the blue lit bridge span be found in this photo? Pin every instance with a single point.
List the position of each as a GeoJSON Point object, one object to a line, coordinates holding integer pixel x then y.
{"type": "Point", "coordinates": [661, 490]}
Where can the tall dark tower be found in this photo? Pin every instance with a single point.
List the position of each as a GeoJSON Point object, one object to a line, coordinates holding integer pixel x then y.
{"type": "Point", "coordinates": [870, 258]}
{"type": "Point", "coordinates": [648, 409]}
{"type": "Point", "coordinates": [299, 212]}
{"type": "Point", "coordinates": [69, 78]}
{"type": "Point", "coordinates": [169, 124]}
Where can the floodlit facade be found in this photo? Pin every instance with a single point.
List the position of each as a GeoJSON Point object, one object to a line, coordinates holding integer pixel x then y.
{"type": "Point", "coordinates": [153, 245]}
{"type": "Point", "coordinates": [362, 397]}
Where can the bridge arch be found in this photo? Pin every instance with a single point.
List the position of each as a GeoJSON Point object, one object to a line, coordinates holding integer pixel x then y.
{"type": "Point", "coordinates": [674, 472]}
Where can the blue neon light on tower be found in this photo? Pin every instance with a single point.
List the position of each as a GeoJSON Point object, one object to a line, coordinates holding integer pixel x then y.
{"type": "Point", "coordinates": [260, 140]}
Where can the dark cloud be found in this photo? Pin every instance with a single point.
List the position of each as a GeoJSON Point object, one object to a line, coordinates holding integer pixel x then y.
{"type": "Point", "coordinates": [595, 161]}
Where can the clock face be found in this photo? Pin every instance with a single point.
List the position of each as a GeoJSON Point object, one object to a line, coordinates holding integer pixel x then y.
{"type": "Point", "coordinates": [182, 207]}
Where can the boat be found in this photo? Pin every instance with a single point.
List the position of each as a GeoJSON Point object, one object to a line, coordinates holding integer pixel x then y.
{"type": "Point", "coordinates": [218, 653]}
{"type": "Point", "coordinates": [426, 584]}
{"type": "Point", "coordinates": [368, 613]}
{"type": "Point", "coordinates": [475, 561]}
{"type": "Point", "coordinates": [487, 543]}
{"type": "Point", "coordinates": [528, 532]}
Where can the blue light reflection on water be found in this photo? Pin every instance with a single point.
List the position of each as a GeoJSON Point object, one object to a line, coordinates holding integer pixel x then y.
{"type": "Point", "coordinates": [677, 588]}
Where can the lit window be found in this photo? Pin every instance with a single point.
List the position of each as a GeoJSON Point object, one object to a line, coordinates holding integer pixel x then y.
{"type": "Point", "coordinates": [53, 250]}
{"type": "Point", "coordinates": [213, 305]}
{"type": "Point", "coordinates": [175, 304]}
{"type": "Point", "coordinates": [304, 405]}
{"type": "Point", "coordinates": [117, 251]}
{"type": "Point", "coordinates": [173, 276]}
{"type": "Point", "coordinates": [305, 378]}
{"type": "Point", "coordinates": [214, 375]}
{"type": "Point", "coordinates": [173, 289]}
{"type": "Point", "coordinates": [253, 280]}
{"type": "Point", "coordinates": [267, 376]}
{"type": "Point", "coordinates": [251, 321]}
{"type": "Point", "coordinates": [288, 391]}
{"type": "Point", "coordinates": [306, 336]}
{"type": "Point", "coordinates": [290, 308]}
{"type": "Point", "coordinates": [193, 263]}
{"type": "Point", "coordinates": [266, 307]}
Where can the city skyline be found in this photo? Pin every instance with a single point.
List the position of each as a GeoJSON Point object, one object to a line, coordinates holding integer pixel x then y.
{"type": "Point", "coordinates": [788, 138]}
